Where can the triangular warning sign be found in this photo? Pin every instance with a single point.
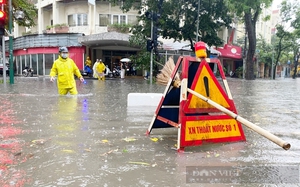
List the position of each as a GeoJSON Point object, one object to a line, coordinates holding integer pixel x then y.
{"type": "Point", "coordinates": [197, 120]}
{"type": "Point", "coordinates": [206, 84]}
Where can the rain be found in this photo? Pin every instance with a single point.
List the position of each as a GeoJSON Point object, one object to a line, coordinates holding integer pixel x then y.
{"type": "Point", "coordinates": [95, 139]}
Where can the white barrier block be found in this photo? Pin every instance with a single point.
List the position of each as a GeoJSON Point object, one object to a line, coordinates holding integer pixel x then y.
{"type": "Point", "coordinates": [143, 99]}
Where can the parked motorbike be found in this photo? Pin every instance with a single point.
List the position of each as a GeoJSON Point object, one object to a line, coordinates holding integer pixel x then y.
{"type": "Point", "coordinates": [28, 72]}
{"type": "Point", "coordinates": [108, 73]}
{"type": "Point", "coordinates": [116, 72]}
{"type": "Point", "coordinates": [87, 71]}
{"type": "Point", "coordinates": [232, 74]}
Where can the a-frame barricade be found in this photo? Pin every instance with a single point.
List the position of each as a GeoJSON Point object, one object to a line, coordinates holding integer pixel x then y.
{"type": "Point", "coordinates": [196, 120]}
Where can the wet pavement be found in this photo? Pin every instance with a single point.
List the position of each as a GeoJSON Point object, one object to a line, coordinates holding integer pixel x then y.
{"type": "Point", "coordinates": [94, 139]}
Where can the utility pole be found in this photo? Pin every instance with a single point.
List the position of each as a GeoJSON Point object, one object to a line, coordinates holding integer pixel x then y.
{"type": "Point", "coordinates": [197, 28]}
{"type": "Point", "coordinates": [3, 60]}
{"type": "Point", "coordinates": [151, 55]}
{"type": "Point", "coordinates": [245, 54]}
{"type": "Point", "coordinates": [272, 69]}
{"type": "Point", "coordinates": [153, 43]}
{"type": "Point", "coordinates": [11, 64]}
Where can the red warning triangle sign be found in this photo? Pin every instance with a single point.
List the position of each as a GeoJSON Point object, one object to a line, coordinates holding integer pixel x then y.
{"type": "Point", "coordinates": [206, 84]}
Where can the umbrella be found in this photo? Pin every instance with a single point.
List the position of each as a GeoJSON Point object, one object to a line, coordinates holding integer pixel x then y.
{"type": "Point", "coordinates": [125, 60]}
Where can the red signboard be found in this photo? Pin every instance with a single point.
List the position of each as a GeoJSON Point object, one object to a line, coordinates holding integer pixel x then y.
{"type": "Point", "coordinates": [230, 51]}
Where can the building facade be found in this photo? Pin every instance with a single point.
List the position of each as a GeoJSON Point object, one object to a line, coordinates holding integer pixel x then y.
{"type": "Point", "coordinates": [85, 28]}
{"type": "Point", "coordinates": [92, 23]}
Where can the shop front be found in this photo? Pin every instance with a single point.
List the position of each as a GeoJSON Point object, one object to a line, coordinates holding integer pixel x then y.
{"type": "Point", "coordinates": [231, 58]}
{"type": "Point", "coordinates": [39, 51]}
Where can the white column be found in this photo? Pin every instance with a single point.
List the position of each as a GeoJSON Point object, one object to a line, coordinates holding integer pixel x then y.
{"type": "Point", "coordinates": [225, 35]}
{"type": "Point", "coordinates": [95, 18]}
{"type": "Point", "coordinates": [90, 18]}
{"type": "Point", "coordinates": [41, 25]}
{"type": "Point", "coordinates": [55, 13]}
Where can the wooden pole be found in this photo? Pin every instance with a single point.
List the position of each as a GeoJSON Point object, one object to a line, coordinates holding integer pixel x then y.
{"type": "Point", "coordinates": [250, 125]}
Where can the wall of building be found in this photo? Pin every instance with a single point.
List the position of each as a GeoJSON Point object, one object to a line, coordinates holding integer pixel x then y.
{"type": "Point", "coordinates": [41, 59]}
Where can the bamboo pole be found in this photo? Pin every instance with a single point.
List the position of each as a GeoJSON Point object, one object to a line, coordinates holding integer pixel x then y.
{"type": "Point", "coordinates": [259, 130]}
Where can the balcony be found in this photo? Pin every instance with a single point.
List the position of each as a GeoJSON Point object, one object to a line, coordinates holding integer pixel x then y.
{"type": "Point", "coordinates": [58, 28]}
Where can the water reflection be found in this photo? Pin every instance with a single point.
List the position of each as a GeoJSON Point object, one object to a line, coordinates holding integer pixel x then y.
{"type": "Point", "coordinates": [94, 139]}
{"type": "Point", "coordinates": [11, 146]}
{"type": "Point", "coordinates": [66, 122]}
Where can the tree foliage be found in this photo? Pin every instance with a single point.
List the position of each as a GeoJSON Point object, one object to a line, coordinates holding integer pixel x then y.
{"type": "Point", "coordinates": [265, 51]}
{"type": "Point", "coordinates": [282, 43]}
{"type": "Point", "coordinates": [288, 32]}
{"type": "Point", "coordinates": [29, 10]}
{"type": "Point", "coordinates": [178, 21]}
{"type": "Point", "coordinates": [249, 10]}
{"type": "Point", "coordinates": [180, 18]}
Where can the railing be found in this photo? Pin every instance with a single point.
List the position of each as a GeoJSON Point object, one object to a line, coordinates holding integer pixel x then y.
{"type": "Point", "coordinates": [45, 40]}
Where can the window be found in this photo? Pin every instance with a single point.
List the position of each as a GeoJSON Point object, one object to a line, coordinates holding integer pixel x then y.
{"type": "Point", "coordinates": [119, 19]}
{"type": "Point", "coordinates": [115, 19]}
{"type": "Point", "coordinates": [108, 19]}
{"type": "Point", "coordinates": [123, 19]}
{"type": "Point", "coordinates": [77, 19]}
{"type": "Point", "coordinates": [104, 19]}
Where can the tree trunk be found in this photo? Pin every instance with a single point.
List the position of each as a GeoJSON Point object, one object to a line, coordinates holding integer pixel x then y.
{"type": "Point", "coordinates": [274, 71]}
{"type": "Point", "coordinates": [250, 27]}
{"type": "Point", "coordinates": [296, 58]}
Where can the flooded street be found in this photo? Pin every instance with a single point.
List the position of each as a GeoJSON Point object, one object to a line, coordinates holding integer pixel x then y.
{"type": "Point", "coordinates": [93, 139]}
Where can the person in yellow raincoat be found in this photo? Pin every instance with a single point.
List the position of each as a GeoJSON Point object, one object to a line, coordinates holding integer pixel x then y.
{"type": "Point", "coordinates": [95, 75]}
{"type": "Point", "coordinates": [88, 62]}
{"type": "Point", "coordinates": [100, 71]}
{"type": "Point", "coordinates": [65, 68]}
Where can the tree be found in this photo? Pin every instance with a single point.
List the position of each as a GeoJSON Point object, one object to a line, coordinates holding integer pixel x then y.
{"type": "Point", "coordinates": [296, 33]}
{"type": "Point", "coordinates": [178, 21]}
{"type": "Point", "coordinates": [265, 52]}
{"type": "Point", "coordinates": [180, 18]}
{"type": "Point", "coordinates": [249, 10]}
{"type": "Point", "coordinates": [282, 43]}
{"type": "Point", "coordinates": [142, 59]}
{"type": "Point", "coordinates": [29, 10]}
{"type": "Point", "coordinates": [290, 15]}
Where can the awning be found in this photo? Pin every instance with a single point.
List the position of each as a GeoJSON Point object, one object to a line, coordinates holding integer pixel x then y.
{"type": "Point", "coordinates": [230, 51]}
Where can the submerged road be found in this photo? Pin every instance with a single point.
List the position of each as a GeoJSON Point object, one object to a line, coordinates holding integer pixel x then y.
{"type": "Point", "coordinates": [94, 139]}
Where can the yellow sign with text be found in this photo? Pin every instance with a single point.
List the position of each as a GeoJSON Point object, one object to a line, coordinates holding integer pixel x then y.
{"type": "Point", "coordinates": [207, 87]}
{"type": "Point", "coordinates": [211, 129]}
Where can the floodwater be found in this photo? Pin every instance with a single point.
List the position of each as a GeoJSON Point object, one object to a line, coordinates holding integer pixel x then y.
{"type": "Point", "coordinates": [94, 139]}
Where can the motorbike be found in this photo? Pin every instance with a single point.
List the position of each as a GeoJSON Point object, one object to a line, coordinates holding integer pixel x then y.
{"type": "Point", "coordinates": [108, 72]}
{"type": "Point", "coordinates": [28, 72]}
{"type": "Point", "coordinates": [87, 71]}
{"type": "Point", "coordinates": [232, 74]}
{"type": "Point", "coordinates": [116, 72]}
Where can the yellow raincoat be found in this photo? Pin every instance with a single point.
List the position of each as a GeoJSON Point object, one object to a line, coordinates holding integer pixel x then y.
{"type": "Point", "coordinates": [65, 70]}
{"type": "Point", "coordinates": [100, 70]}
{"type": "Point", "coordinates": [88, 62]}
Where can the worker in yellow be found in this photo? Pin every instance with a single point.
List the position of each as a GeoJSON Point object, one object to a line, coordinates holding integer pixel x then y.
{"type": "Point", "coordinates": [65, 68]}
{"type": "Point", "coordinates": [100, 71]}
{"type": "Point", "coordinates": [88, 62]}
